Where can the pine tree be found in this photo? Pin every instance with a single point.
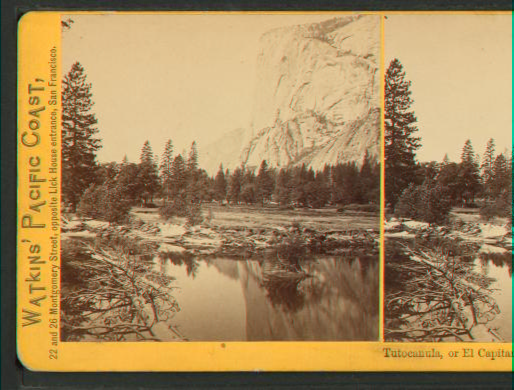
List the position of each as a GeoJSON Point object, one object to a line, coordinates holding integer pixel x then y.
{"type": "Point", "coordinates": [468, 154]}
{"type": "Point", "coordinates": [79, 145]}
{"type": "Point", "coordinates": [234, 186]}
{"type": "Point", "coordinates": [220, 185]}
{"type": "Point", "coordinates": [283, 187]}
{"type": "Point", "coordinates": [487, 167]}
{"type": "Point", "coordinates": [148, 176]}
{"type": "Point", "coordinates": [347, 188]}
{"type": "Point", "coordinates": [192, 161]}
{"type": "Point", "coordinates": [146, 154]}
{"type": "Point", "coordinates": [129, 182]}
{"type": "Point", "coordinates": [317, 191]}
{"type": "Point", "coordinates": [178, 176]}
{"type": "Point", "coordinates": [166, 167]}
{"type": "Point", "coordinates": [469, 175]}
{"type": "Point", "coordinates": [249, 189]}
{"type": "Point", "coordinates": [299, 181]}
{"type": "Point", "coordinates": [501, 177]}
{"type": "Point", "coordinates": [400, 142]}
{"type": "Point", "coordinates": [367, 181]}
{"type": "Point", "coordinates": [265, 183]}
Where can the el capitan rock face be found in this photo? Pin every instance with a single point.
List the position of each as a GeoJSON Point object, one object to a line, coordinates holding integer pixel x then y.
{"type": "Point", "coordinates": [318, 94]}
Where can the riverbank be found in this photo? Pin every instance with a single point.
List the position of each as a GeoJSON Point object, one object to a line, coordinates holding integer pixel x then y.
{"type": "Point", "coordinates": [236, 238]}
{"type": "Point", "coordinates": [447, 283]}
{"type": "Point", "coordinates": [492, 238]}
{"type": "Point", "coordinates": [291, 270]}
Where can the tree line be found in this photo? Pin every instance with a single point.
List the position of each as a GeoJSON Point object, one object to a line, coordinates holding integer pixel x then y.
{"type": "Point", "coordinates": [182, 186]}
{"type": "Point", "coordinates": [108, 190]}
{"type": "Point", "coordinates": [428, 190]}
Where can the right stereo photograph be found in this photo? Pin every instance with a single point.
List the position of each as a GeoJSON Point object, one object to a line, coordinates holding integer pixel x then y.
{"type": "Point", "coordinates": [448, 178]}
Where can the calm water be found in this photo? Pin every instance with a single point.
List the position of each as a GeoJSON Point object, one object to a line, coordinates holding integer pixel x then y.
{"type": "Point", "coordinates": [499, 268]}
{"type": "Point", "coordinates": [496, 266]}
{"type": "Point", "coordinates": [223, 299]}
{"type": "Point", "coordinates": [226, 299]}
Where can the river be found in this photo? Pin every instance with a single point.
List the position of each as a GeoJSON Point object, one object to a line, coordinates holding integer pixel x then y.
{"type": "Point", "coordinates": [330, 298]}
{"type": "Point", "coordinates": [227, 300]}
{"type": "Point", "coordinates": [496, 265]}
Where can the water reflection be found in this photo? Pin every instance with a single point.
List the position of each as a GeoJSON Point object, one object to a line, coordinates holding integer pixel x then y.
{"type": "Point", "coordinates": [285, 296]}
{"type": "Point", "coordinates": [500, 260]}
{"type": "Point", "coordinates": [498, 266]}
{"type": "Point", "coordinates": [331, 298]}
{"type": "Point", "coordinates": [494, 269]}
{"type": "Point", "coordinates": [180, 259]}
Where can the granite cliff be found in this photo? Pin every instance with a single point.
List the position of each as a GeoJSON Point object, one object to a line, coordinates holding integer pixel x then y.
{"type": "Point", "coordinates": [317, 98]}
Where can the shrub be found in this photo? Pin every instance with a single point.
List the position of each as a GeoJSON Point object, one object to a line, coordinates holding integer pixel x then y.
{"type": "Point", "coordinates": [407, 206]}
{"type": "Point", "coordinates": [113, 207]}
{"type": "Point", "coordinates": [104, 202]}
{"type": "Point", "coordinates": [488, 212]}
{"type": "Point", "coordinates": [88, 203]}
{"type": "Point", "coordinates": [293, 247]}
{"type": "Point", "coordinates": [175, 208]}
{"type": "Point", "coordinates": [194, 214]}
{"type": "Point", "coordinates": [502, 207]}
{"type": "Point", "coordinates": [425, 202]}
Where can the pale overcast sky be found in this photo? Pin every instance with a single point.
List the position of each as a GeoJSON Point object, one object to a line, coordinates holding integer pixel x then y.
{"type": "Point", "coordinates": [461, 72]}
{"type": "Point", "coordinates": [191, 77]}
{"type": "Point", "coordinates": [184, 77]}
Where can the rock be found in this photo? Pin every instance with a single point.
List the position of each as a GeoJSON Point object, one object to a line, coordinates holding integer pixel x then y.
{"type": "Point", "coordinates": [399, 235]}
{"type": "Point", "coordinates": [74, 226]}
{"type": "Point", "coordinates": [168, 248]}
{"type": "Point", "coordinates": [170, 230]}
{"type": "Point", "coordinates": [393, 225]}
{"type": "Point", "coordinates": [317, 98]}
{"type": "Point", "coordinates": [486, 248]}
{"type": "Point", "coordinates": [415, 225]}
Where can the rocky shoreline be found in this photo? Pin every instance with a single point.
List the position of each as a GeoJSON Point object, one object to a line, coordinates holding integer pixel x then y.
{"type": "Point", "coordinates": [491, 238]}
{"type": "Point", "coordinates": [209, 240]}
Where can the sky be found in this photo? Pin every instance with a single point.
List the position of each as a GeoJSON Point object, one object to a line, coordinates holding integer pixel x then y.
{"type": "Point", "coordinates": [178, 77]}
{"type": "Point", "coordinates": [460, 67]}
{"type": "Point", "coordinates": [191, 77]}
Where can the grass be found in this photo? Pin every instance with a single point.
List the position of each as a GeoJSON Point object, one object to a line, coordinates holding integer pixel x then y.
{"type": "Point", "coordinates": [325, 219]}
{"type": "Point", "coordinates": [316, 219]}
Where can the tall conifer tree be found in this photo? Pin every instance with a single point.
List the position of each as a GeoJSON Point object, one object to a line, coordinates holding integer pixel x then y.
{"type": "Point", "coordinates": [264, 183]}
{"type": "Point", "coordinates": [487, 166]}
{"type": "Point", "coordinates": [469, 175]}
{"type": "Point", "coordinates": [178, 176]}
{"type": "Point", "coordinates": [192, 161]}
{"type": "Point", "coordinates": [148, 176]}
{"type": "Point", "coordinates": [220, 185]}
{"type": "Point", "coordinates": [166, 168]}
{"type": "Point", "coordinates": [400, 142]}
{"type": "Point", "coordinates": [79, 144]}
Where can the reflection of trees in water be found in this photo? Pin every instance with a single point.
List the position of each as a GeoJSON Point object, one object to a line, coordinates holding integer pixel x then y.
{"type": "Point", "coordinates": [179, 259]}
{"type": "Point", "coordinates": [432, 293]}
{"type": "Point", "coordinates": [498, 259]}
{"type": "Point", "coordinates": [111, 293]}
{"type": "Point", "coordinates": [285, 295]}
{"type": "Point", "coordinates": [336, 298]}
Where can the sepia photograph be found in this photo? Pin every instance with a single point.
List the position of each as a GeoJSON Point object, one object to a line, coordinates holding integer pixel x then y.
{"type": "Point", "coordinates": [448, 178]}
{"type": "Point", "coordinates": [221, 182]}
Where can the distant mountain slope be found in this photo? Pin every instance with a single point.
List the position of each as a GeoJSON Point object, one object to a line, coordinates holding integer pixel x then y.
{"type": "Point", "coordinates": [226, 151]}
